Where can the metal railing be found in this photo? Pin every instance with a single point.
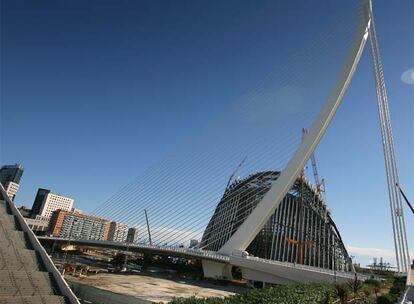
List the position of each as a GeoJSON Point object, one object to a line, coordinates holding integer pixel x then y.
{"type": "Point", "coordinates": [184, 251]}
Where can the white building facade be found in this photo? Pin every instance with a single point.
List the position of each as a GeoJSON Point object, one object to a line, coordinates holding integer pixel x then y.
{"type": "Point", "coordinates": [117, 232]}
{"type": "Point", "coordinates": [11, 189]}
{"type": "Point", "coordinates": [39, 224]}
{"type": "Point", "coordinates": [53, 202]}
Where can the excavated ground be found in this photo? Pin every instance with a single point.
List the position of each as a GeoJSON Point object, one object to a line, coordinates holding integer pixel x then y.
{"type": "Point", "coordinates": [153, 288]}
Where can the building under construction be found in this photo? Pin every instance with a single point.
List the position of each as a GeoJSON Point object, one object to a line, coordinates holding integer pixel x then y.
{"type": "Point", "coordinates": [300, 231]}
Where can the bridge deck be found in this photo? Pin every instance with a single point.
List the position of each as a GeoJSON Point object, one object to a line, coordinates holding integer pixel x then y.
{"type": "Point", "coordinates": [288, 272]}
{"type": "Point", "coordinates": [177, 251]}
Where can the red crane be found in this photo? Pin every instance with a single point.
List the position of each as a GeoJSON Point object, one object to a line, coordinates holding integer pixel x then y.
{"type": "Point", "coordinates": [319, 183]}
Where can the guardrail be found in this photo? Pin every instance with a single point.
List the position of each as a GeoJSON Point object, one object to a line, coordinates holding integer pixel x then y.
{"type": "Point", "coordinates": [46, 261]}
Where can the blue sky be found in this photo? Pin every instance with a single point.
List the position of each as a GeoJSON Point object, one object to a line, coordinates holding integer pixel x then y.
{"type": "Point", "coordinates": [94, 93]}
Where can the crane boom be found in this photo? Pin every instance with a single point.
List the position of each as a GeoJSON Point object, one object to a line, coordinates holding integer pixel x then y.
{"type": "Point", "coordinates": [405, 198]}
{"type": "Point", "coordinates": [235, 171]}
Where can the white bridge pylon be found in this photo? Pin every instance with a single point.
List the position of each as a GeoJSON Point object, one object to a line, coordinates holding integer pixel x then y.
{"type": "Point", "coordinates": [245, 234]}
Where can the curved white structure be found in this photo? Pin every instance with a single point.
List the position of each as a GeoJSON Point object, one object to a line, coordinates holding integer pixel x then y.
{"type": "Point", "coordinates": [261, 214]}
{"type": "Point", "coordinates": [257, 219]}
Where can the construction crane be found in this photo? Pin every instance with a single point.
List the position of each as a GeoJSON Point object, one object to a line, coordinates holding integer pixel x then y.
{"type": "Point", "coordinates": [405, 198]}
{"type": "Point", "coordinates": [319, 183]}
{"type": "Point", "coordinates": [235, 171]}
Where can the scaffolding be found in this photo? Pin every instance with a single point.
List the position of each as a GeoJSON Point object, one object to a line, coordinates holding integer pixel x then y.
{"type": "Point", "coordinates": [300, 231]}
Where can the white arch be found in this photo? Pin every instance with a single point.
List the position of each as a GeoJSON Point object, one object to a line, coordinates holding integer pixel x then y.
{"type": "Point", "coordinates": [256, 220]}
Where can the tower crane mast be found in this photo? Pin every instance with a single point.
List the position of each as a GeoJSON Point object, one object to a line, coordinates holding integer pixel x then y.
{"type": "Point", "coordinates": [234, 172]}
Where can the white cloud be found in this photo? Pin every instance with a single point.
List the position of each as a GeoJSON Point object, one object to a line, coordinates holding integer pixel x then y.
{"type": "Point", "coordinates": [408, 76]}
{"type": "Point", "coordinates": [371, 252]}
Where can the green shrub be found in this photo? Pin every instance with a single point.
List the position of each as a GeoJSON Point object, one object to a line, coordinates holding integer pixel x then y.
{"type": "Point", "coordinates": [373, 282]}
{"type": "Point", "coordinates": [386, 299]}
{"type": "Point", "coordinates": [398, 287]}
{"type": "Point", "coordinates": [291, 294]}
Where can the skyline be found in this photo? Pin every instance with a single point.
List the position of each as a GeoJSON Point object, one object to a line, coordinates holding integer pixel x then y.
{"type": "Point", "coordinates": [61, 168]}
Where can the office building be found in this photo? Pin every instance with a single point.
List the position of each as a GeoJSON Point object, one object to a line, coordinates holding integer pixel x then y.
{"type": "Point", "coordinates": [132, 235]}
{"type": "Point", "coordinates": [301, 230]}
{"type": "Point", "coordinates": [10, 176]}
{"type": "Point", "coordinates": [68, 224]}
{"type": "Point", "coordinates": [117, 232]}
{"type": "Point", "coordinates": [46, 202]}
{"type": "Point", "coordinates": [39, 224]}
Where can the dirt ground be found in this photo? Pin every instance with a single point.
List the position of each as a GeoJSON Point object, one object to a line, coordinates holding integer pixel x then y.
{"type": "Point", "coordinates": [155, 289]}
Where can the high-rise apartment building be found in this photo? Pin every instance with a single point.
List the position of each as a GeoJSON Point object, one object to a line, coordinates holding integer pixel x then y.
{"type": "Point", "coordinates": [132, 236]}
{"type": "Point", "coordinates": [117, 232]}
{"type": "Point", "coordinates": [10, 176]}
{"type": "Point", "coordinates": [69, 224]}
{"type": "Point", "coordinates": [46, 202]}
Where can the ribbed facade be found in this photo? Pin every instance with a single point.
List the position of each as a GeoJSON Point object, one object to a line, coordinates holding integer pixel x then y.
{"type": "Point", "coordinates": [300, 231]}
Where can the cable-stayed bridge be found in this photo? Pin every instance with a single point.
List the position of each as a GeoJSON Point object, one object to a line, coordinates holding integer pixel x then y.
{"type": "Point", "coordinates": [273, 213]}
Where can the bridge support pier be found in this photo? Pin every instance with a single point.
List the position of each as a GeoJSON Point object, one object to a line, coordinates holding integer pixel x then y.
{"type": "Point", "coordinates": [216, 270]}
{"type": "Point", "coordinates": [260, 276]}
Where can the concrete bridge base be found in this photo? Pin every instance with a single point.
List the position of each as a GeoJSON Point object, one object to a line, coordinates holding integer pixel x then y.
{"type": "Point", "coordinates": [217, 270]}
{"type": "Point", "coordinates": [280, 273]}
{"type": "Point", "coordinates": [259, 276]}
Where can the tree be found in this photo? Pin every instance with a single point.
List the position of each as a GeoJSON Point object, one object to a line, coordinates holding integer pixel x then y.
{"type": "Point", "coordinates": [377, 290]}
{"type": "Point", "coordinates": [341, 292]}
{"type": "Point", "coordinates": [355, 285]}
